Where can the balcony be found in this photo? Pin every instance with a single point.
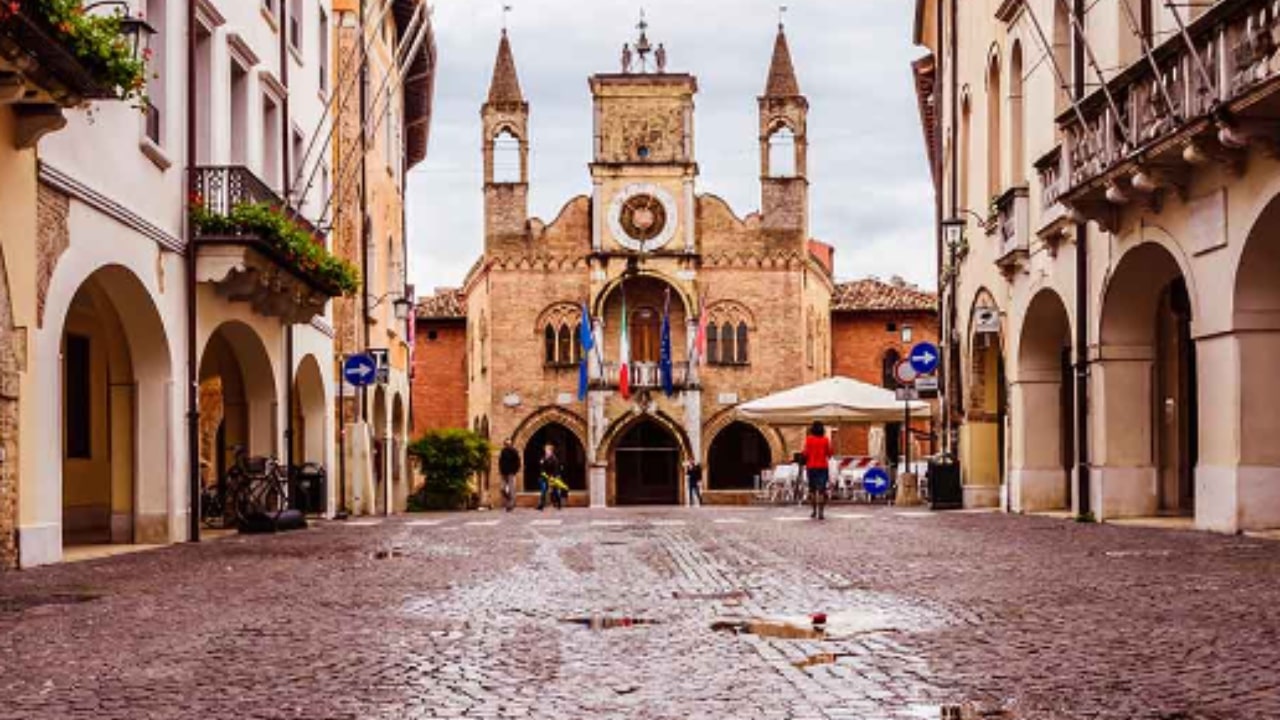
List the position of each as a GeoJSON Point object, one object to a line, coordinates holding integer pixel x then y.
{"type": "Point", "coordinates": [1012, 225]}
{"type": "Point", "coordinates": [644, 376]}
{"type": "Point", "coordinates": [1197, 100]}
{"type": "Point", "coordinates": [254, 251]}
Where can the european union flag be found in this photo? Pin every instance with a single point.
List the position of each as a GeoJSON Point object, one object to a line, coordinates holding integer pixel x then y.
{"type": "Point", "coordinates": [664, 359]}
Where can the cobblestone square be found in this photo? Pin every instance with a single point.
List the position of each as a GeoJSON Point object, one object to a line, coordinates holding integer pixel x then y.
{"type": "Point", "coordinates": [613, 614]}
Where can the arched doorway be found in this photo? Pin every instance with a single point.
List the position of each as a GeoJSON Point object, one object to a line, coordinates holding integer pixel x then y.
{"type": "Point", "coordinates": [1147, 369]}
{"type": "Point", "coordinates": [238, 402]}
{"type": "Point", "coordinates": [736, 456]}
{"type": "Point", "coordinates": [1238, 487]}
{"type": "Point", "coordinates": [573, 457]}
{"type": "Point", "coordinates": [399, 486]}
{"type": "Point", "coordinates": [982, 436]}
{"type": "Point", "coordinates": [309, 416]}
{"type": "Point", "coordinates": [1044, 437]}
{"type": "Point", "coordinates": [380, 451]}
{"type": "Point", "coordinates": [115, 381]}
{"type": "Point", "coordinates": [646, 465]}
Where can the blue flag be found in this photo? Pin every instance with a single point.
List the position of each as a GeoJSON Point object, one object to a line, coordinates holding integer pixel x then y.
{"type": "Point", "coordinates": [582, 378]}
{"type": "Point", "coordinates": [584, 332]}
{"type": "Point", "coordinates": [664, 359]}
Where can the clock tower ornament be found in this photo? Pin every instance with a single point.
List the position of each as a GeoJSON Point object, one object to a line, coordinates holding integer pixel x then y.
{"type": "Point", "coordinates": [642, 217]}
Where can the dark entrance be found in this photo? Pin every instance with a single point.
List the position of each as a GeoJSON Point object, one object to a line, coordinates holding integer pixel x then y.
{"type": "Point", "coordinates": [647, 466]}
{"type": "Point", "coordinates": [572, 456]}
{"type": "Point", "coordinates": [1175, 408]}
{"type": "Point", "coordinates": [736, 457]}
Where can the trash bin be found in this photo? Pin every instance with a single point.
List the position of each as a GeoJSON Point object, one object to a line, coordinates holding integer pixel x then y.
{"type": "Point", "coordinates": [308, 491]}
{"type": "Point", "coordinates": [944, 484]}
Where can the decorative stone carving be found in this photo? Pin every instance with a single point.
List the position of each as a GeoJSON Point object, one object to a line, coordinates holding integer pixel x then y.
{"type": "Point", "coordinates": [242, 273]}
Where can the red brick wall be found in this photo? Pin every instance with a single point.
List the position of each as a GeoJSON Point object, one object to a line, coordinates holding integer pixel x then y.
{"type": "Point", "coordinates": [439, 375]}
{"type": "Point", "coordinates": [858, 343]}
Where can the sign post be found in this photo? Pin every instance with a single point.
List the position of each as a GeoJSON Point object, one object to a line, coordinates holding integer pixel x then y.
{"type": "Point", "coordinates": [875, 481]}
{"type": "Point", "coordinates": [359, 369]}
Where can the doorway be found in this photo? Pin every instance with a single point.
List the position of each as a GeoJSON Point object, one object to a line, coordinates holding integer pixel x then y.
{"type": "Point", "coordinates": [647, 466]}
{"type": "Point", "coordinates": [1175, 401]}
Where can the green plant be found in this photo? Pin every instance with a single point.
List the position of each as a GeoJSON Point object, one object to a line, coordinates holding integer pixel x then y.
{"type": "Point", "coordinates": [448, 459]}
{"type": "Point", "coordinates": [95, 40]}
{"type": "Point", "coordinates": [270, 224]}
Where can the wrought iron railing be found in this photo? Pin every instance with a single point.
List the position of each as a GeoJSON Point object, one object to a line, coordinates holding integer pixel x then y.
{"type": "Point", "coordinates": [1226, 55]}
{"type": "Point", "coordinates": [643, 375]}
{"type": "Point", "coordinates": [221, 188]}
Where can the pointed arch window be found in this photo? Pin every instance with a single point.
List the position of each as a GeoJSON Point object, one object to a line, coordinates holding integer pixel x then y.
{"type": "Point", "coordinates": [508, 163]}
{"type": "Point", "coordinates": [1017, 144]}
{"type": "Point", "coordinates": [561, 329]}
{"type": "Point", "coordinates": [741, 354]}
{"type": "Point", "coordinates": [549, 345]}
{"type": "Point", "coordinates": [564, 344]}
{"type": "Point", "coordinates": [713, 343]}
{"type": "Point", "coordinates": [995, 182]}
{"type": "Point", "coordinates": [782, 153]}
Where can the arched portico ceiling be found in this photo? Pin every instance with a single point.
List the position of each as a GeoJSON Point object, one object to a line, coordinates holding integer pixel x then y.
{"type": "Point", "coordinates": [249, 352]}
{"type": "Point", "coordinates": [1132, 293]}
{"type": "Point", "coordinates": [1046, 329]}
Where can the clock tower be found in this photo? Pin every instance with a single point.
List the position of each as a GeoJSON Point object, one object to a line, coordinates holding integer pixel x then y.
{"type": "Point", "coordinates": [642, 167]}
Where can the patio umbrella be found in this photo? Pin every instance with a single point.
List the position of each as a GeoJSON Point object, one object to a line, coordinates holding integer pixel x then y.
{"type": "Point", "coordinates": [834, 400]}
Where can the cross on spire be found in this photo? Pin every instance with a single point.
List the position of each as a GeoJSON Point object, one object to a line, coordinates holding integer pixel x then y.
{"type": "Point", "coordinates": [782, 16]}
{"type": "Point", "coordinates": [643, 48]}
{"type": "Point", "coordinates": [506, 12]}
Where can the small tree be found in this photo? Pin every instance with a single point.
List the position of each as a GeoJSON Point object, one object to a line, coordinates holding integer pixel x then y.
{"type": "Point", "coordinates": [448, 459]}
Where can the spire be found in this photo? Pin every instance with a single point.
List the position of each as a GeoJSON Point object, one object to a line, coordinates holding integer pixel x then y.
{"type": "Point", "coordinates": [782, 76]}
{"type": "Point", "coordinates": [505, 87]}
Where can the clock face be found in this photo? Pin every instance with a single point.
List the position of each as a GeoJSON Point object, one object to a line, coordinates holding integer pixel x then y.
{"type": "Point", "coordinates": [642, 217]}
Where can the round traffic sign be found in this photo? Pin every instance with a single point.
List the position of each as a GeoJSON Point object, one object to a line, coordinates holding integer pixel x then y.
{"type": "Point", "coordinates": [360, 369]}
{"type": "Point", "coordinates": [924, 357]}
{"type": "Point", "coordinates": [904, 373]}
{"type": "Point", "coordinates": [875, 481]}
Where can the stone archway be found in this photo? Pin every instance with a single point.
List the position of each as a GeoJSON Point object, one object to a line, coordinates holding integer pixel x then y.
{"type": "Point", "coordinates": [1043, 436]}
{"type": "Point", "coordinates": [645, 459]}
{"type": "Point", "coordinates": [238, 402]}
{"type": "Point", "coordinates": [1238, 479]}
{"type": "Point", "coordinates": [310, 420]}
{"type": "Point", "coordinates": [982, 436]}
{"type": "Point", "coordinates": [1145, 390]}
{"type": "Point", "coordinates": [114, 382]}
{"type": "Point", "coordinates": [735, 457]}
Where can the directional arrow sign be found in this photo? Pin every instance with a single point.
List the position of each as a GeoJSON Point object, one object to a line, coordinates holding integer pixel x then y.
{"type": "Point", "coordinates": [924, 358]}
{"type": "Point", "coordinates": [359, 369]}
{"type": "Point", "coordinates": [875, 481]}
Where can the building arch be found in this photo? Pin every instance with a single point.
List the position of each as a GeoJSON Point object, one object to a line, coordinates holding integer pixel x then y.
{"type": "Point", "coordinates": [1042, 400]}
{"type": "Point", "coordinates": [678, 291]}
{"type": "Point", "coordinates": [645, 450]}
{"type": "Point", "coordinates": [995, 135]}
{"type": "Point", "coordinates": [311, 416]}
{"type": "Point", "coordinates": [545, 415]}
{"type": "Point", "coordinates": [560, 325]}
{"type": "Point", "coordinates": [380, 426]}
{"type": "Point", "coordinates": [114, 400]}
{"type": "Point", "coordinates": [1017, 117]}
{"type": "Point", "coordinates": [985, 406]}
{"type": "Point", "coordinates": [1145, 377]}
{"type": "Point", "coordinates": [736, 456]}
{"type": "Point", "coordinates": [728, 416]}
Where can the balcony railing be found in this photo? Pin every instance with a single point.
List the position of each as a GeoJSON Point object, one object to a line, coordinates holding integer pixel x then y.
{"type": "Point", "coordinates": [1214, 80]}
{"type": "Point", "coordinates": [644, 375]}
{"type": "Point", "coordinates": [1012, 222]}
{"type": "Point", "coordinates": [223, 187]}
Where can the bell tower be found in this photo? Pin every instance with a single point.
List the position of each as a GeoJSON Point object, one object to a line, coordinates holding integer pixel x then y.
{"type": "Point", "coordinates": [505, 122]}
{"type": "Point", "coordinates": [784, 182]}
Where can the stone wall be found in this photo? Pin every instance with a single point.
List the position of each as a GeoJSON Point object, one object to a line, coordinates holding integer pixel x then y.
{"type": "Point", "coordinates": [439, 375]}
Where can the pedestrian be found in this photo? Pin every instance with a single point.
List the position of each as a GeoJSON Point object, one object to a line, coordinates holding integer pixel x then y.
{"type": "Point", "coordinates": [550, 481]}
{"type": "Point", "coordinates": [817, 453]}
{"type": "Point", "coordinates": [508, 467]}
{"type": "Point", "coordinates": [693, 473]}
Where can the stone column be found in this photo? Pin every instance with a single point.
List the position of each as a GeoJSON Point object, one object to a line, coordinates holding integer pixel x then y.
{"type": "Point", "coordinates": [598, 470]}
{"type": "Point", "coordinates": [691, 213]}
{"type": "Point", "coordinates": [594, 368]}
{"type": "Point", "coordinates": [1037, 476]}
{"type": "Point", "coordinates": [1123, 477]}
{"type": "Point", "coordinates": [691, 340]}
{"type": "Point", "coordinates": [597, 215]}
{"type": "Point", "coordinates": [693, 421]}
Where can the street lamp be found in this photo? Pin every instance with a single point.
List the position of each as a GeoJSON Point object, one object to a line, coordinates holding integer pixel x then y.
{"type": "Point", "coordinates": [135, 29]}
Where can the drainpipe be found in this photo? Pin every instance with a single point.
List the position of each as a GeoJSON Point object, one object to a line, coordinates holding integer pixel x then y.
{"type": "Point", "coordinates": [286, 157]}
{"type": "Point", "coordinates": [364, 207]}
{"type": "Point", "coordinates": [193, 380]}
{"type": "Point", "coordinates": [949, 321]}
{"type": "Point", "coordinates": [1082, 308]}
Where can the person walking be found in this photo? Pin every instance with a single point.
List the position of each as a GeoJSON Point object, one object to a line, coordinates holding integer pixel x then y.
{"type": "Point", "coordinates": [817, 453]}
{"type": "Point", "coordinates": [693, 473]}
{"type": "Point", "coordinates": [550, 480]}
{"type": "Point", "coordinates": [508, 467]}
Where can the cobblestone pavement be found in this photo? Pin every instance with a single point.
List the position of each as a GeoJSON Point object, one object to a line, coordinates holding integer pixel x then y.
{"type": "Point", "coordinates": [488, 615]}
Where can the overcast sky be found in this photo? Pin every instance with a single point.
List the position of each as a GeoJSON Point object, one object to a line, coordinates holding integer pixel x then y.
{"type": "Point", "coordinates": [870, 192]}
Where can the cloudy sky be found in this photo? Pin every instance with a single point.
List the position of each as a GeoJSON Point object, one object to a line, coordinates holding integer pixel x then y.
{"type": "Point", "coordinates": [869, 187]}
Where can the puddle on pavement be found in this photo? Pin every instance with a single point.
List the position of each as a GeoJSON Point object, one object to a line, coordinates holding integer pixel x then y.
{"type": "Point", "coordinates": [389, 553]}
{"type": "Point", "coordinates": [1137, 553]}
{"type": "Point", "coordinates": [838, 626]}
{"type": "Point", "coordinates": [607, 622]}
{"type": "Point", "coordinates": [819, 659]}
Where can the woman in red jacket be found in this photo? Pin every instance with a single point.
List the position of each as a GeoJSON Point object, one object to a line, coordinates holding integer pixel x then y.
{"type": "Point", "coordinates": [817, 451]}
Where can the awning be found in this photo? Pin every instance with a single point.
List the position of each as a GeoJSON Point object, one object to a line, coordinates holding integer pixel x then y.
{"type": "Point", "coordinates": [834, 400]}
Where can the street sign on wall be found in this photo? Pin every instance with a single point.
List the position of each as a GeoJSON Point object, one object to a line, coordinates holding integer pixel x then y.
{"type": "Point", "coordinates": [924, 358]}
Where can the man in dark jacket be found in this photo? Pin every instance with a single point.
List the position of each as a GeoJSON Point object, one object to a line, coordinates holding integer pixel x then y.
{"type": "Point", "coordinates": [508, 467]}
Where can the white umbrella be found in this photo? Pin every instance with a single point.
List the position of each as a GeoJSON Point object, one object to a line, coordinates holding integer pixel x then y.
{"type": "Point", "coordinates": [834, 400]}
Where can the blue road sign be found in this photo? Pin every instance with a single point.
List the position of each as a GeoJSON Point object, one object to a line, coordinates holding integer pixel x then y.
{"type": "Point", "coordinates": [924, 358]}
{"type": "Point", "coordinates": [360, 370]}
{"type": "Point", "coordinates": [875, 481]}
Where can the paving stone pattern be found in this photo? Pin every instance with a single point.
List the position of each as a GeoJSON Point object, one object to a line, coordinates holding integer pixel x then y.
{"type": "Point", "coordinates": [1013, 617]}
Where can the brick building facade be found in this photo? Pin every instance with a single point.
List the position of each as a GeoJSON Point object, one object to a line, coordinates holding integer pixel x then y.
{"type": "Point", "coordinates": [643, 247]}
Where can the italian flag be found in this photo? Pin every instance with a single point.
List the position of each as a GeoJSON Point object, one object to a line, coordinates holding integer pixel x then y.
{"type": "Point", "coordinates": [700, 340]}
{"type": "Point", "coordinates": [624, 354]}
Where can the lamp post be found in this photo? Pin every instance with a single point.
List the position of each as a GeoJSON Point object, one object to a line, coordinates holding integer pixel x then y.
{"type": "Point", "coordinates": [953, 237]}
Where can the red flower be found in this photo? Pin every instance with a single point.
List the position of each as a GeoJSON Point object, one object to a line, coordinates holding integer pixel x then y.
{"type": "Point", "coordinates": [146, 54]}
